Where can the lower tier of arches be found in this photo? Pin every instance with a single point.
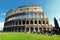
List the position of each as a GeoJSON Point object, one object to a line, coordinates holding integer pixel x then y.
{"type": "Point", "coordinates": [26, 29]}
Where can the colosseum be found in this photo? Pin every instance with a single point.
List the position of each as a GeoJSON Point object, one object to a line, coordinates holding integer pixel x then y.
{"type": "Point", "coordinates": [28, 18]}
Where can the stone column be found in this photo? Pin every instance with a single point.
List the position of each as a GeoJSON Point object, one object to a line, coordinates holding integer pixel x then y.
{"type": "Point", "coordinates": [25, 22]}
{"type": "Point", "coordinates": [42, 30]}
{"type": "Point", "coordinates": [21, 22]}
{"type": "Point", "coordinates": [34, 29]}
{"type": "Point", "coordinates": [41, 22]}
{"type": "Point", "coordinates": [33, 22]}
{"type": "Point", "coordinates": [11, 29]}
{"type": "Point", "coordinates": [18, 22]}
{"type": "Point", "coordinates": [38, 29]}
{"type": "Point", "coordinates": [14, 29]}
{"type": "Point", "coordinates": [17, 29]}
{"type": "Point", "coordinates": [46, 29]}
{"type": "Point", "coordinates": [25, 29]}
{"type": "Point", "coordinates": [29, 29]}
{"type": "Point", "coordinates": [12, 24]}
{"type": "Point", "coordinates": [45, 21]}
{"type": "Point", "coordinates": [29, 22]}
{"type": "Point", "coordinates": [37, 20]}
{"type": "Point", "coordinates": [21, 29]}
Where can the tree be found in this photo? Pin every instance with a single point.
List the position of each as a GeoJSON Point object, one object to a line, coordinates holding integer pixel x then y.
{"type": "Point", "coordinates": [56, 29]}
{"type": "Point", "coordinates": [56, 23]}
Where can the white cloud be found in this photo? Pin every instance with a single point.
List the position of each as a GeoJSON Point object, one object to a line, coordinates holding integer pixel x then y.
{"type": "Point", "coordinates": [1, 25]}
{"type": "Point", "coordinates": [2, 17]}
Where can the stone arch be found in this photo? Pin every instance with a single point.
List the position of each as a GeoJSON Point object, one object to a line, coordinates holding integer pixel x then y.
{"type": "Point", "coordinates": [46, 22]}
{"type": "Point", "coordinates": [20, 22]}
{"type": "Point", "coordinates": [36, 29]}
{"type": "Point", "coordinates": [31, 22]}
{"type": "Point", "coordinates": [27, 29]}
{"type": "Point", "coordinates": [19, 29]}
{"type": "Point", "coordinates": [35, 21]}
{"type": "Point", "coordinates": [40, 30]}
{"type": "Point", "coordinates": [31, 29]}
{"type": "Point", "coordinates": [27, 22]}
{"type": "Point", "coordinates": [16, 22]}
{"type": "Point", "coordinates": [39, 22]}
{"type": "Point", "coordinates": [23, 22]}
{"type": "Point", "coordinates": [43, 22]}
{"type": "Point", "coordinates": [15, 29]}
{"type": "Point", "coordinates": [44, 30]}
{"type": "Point", "coordinates": [23, 29]}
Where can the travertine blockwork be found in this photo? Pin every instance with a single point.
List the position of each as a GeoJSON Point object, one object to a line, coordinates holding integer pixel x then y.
{"type": "Point", "coordinates": [29, 18]}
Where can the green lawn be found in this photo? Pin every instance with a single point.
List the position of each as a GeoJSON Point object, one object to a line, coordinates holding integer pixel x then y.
{"type": "Point", "coordinates": [26, 36]}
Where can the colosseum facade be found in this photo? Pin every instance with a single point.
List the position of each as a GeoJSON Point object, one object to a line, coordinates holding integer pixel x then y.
{"type": "Point", "coordinates": [29, 18]}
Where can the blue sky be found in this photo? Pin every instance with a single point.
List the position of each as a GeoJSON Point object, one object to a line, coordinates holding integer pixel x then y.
{"type": "Point", "coordinates": [51, 8]}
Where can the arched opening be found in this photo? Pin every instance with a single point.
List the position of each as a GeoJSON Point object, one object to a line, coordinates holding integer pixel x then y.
{"type": "Point", "coordinates": [31, 29]}
{"type": "Point", "coordinates": [47, 22]}
{"type": "Point", "coordinates": [13, 23]}
{"type": "Point", "coordinates": [27, 22]}
{"type": "Point", "coordinates": [40, 30]}
{"type": "Point", "coordinates": [36, 29]}
{"type": "Point", "coordinates": [27, 29]}
{"type": "Point", "coordinates": [43, 22]}
{"type": "Point", "coordinates": [23, 22]}
{"type": "Point", "coordinates": [23, 29]}
{"type": "Point", "coordinates": [10, 23]}
{"type": "Point", "coordinates": [15, 29]}
{"type": "Point", "coordinates": [44, 30]}
{"type": "Point", "coordinates": [16, 23]}
{"type": "Point", "coordinates": [12, 29]}
{"type": "Point", "coordinates": [9, 29]}
{"type": "Point", "coordinates": [31, 22]}
{"type": "Point", "coordinates": [39, 22]}
{"type": "Point", "coordinates": [47, 28]}
{"type": "Point", "coordinates": [20, 22]}
{"type": "Point", "coordinates": [35, 21]}
{"type": "Point", "coordinates": [19, 29]}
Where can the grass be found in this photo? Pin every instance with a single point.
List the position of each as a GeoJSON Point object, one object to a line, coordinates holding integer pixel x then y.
{"type": "Point", "coordinates": [26, 36]}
